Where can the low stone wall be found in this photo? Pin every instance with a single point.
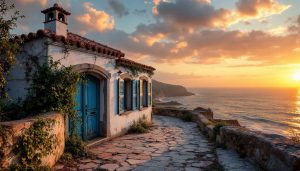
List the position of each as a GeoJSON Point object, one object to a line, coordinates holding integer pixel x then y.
{"type": "Point", "coordinates": [17, 128]}
{"type": "Point", "coordinates": [269, 152]}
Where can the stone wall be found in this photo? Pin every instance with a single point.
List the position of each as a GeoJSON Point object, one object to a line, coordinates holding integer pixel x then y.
{"type": "Point", "coordinates": [269, 152]}
{"type": "Point", "coordinates": [16, 128]}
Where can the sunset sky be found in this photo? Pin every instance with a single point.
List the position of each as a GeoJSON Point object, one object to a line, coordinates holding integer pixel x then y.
{"type": "Point", "coordinates": [195, 43]}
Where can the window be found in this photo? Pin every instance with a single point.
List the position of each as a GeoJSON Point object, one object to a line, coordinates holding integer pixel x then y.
{"type": "Point", "coordinates": [145, 93]}
{"type": "Point", "coordinates": [61, 17]}
{"type": "Point", "coordinates": [126, 93]}
{"type": "Point", "coordinates": [50, 16]}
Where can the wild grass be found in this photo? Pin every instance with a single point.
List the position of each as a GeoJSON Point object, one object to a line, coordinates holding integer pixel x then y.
{"type": "Point", "coordinates": [140, 126]}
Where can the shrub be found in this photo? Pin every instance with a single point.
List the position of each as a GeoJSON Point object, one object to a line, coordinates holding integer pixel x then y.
{"type": "Point", "coordinates": [66, 158]}
{"type": "Point", "coordinates": [187, 116]}
{"type": "Point", "coordinates": [36, 143]}
{"type": "Point", "coordinates": [76, 147]}
{"type": "Point", "coordinates": [141, 126]}
{"type": "Point", "coordinates": [218, 126]}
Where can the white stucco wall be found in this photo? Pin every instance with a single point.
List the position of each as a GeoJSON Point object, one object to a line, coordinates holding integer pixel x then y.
{"type": "Point", "coordinates": [17, 84]}
{"type": "Point", "coordinates": [118, 123]}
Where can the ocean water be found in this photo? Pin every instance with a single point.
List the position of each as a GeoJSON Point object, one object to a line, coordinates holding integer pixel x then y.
{"type": "Point", "coordinates": [269, 110]}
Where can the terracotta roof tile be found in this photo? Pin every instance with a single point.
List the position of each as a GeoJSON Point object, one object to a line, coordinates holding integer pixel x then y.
{"type": "Point", "coordinates": [129, 62]}
{"type": "Point", "coordinates": [56, 7]}
{"type": "Point", "coordinates": [73, 40]}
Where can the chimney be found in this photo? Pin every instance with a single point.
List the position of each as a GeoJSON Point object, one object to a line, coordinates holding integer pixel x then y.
{"type": "Point", "coordinates": [56, 20]}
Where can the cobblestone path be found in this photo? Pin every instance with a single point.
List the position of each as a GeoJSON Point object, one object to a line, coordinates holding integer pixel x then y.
{"type": "Point", "coordinates": [171, 145]}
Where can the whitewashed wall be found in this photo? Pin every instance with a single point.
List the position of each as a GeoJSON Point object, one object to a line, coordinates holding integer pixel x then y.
{"type": "Point", "coordinates": [118, 123]}
{"type": "Point", "coordinates": [17, 85]}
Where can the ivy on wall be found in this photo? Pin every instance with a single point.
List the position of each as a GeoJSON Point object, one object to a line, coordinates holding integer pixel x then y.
{"type": "Point", "coordinates": [135, 70]}
{"type": "Point", "coordinates": [8, 49]}
{"type": "Point", "coordinates": [34, 144]}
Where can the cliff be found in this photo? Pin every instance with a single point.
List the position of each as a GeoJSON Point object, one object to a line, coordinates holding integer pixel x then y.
{"type": "Point", "coordinates": [168, 90]}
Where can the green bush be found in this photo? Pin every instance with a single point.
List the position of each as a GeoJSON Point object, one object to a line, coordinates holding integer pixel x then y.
{"type": "Point", "coordinates": [187, 116]}
{"type": "Point", "coordinates": [36, 143]}
{"type": "Point", "coordinates": [218, 126]}
{"type": "Point", "coordinates": [76, 147]}
{"type": "Point", "coordinates": [141, 126]}
{"type": "Point", "coordinates": [66, 158]}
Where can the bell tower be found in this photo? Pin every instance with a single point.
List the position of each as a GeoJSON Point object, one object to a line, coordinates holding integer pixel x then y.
{"type": "Point", "coordinates": [56, 20]}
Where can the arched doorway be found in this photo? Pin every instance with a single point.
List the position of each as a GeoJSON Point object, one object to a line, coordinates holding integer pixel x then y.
{"type": "Point", "coordinates": [92, 105]}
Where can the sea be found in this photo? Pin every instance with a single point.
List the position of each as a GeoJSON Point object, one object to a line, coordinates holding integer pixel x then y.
{"type": "Point", "coordinates": [268, 110]}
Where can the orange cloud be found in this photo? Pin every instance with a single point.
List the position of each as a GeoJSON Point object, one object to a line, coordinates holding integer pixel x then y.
{"type": "Point", "coordinates": [41, 2]}
{"type": "Point", "coordinates": [95, 20]}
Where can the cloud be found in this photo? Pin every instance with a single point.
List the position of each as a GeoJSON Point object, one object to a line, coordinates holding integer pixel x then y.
{"type": "Point", "coordinates": [118, 8]}
{"type": "Point", "coordinates": [259, 8]}
{"type": "Point", "coordinates": [95, 20]}
{"type": "Point", "coordinates": [201, 13]}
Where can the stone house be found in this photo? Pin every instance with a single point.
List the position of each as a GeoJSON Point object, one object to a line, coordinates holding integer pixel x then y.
{"type": "Point", "coordinates": [112, 96]}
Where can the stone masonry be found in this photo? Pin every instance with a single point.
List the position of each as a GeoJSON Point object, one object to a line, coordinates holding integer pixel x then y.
{"type": "Point", "coordinates": [171, 145]}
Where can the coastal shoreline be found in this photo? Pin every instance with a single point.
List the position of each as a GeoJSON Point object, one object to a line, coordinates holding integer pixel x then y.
{"type": "Point", "coordinates": [268, 152]}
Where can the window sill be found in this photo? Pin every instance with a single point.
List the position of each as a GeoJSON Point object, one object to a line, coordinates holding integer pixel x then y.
{"type": "Point", "coordinates": [144, 108]}
{"type": "Point", "coordinates": [126, 113]}
{"type": "Point", "coordinates": [131, 111]}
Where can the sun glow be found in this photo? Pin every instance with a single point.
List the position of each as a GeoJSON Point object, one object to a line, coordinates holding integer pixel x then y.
{"type": "Point", "coordinates": [296, 76]}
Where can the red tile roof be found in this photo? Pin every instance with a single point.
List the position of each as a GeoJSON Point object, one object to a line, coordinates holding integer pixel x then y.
{"type": "Point", "coordinates": [56, 7]}
{"type": "Point", "coordinates": [73, 40]}
{"type": "Point", "coordinates": [81, 42]}
{"type": "Point", "coordinates": [128, 62]}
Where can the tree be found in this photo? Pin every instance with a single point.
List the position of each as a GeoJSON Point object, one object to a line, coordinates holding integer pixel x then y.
{"type": "Point", "coordinates": [8, 21]}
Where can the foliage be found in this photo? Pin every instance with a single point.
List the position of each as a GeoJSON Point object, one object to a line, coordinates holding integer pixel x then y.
{"type": "Point", "coordinates": [135, 70]}
{"type": "Point", "coordinates": [218, 126]}
{"type": "Point", "coordinates": [76, 147]}
{"type": "Point", "coordinates": [53, 88]}
{"type": "Point", "coordinates": [10, 110]}
{"type": "Point", "coordinates": [34, 144]}
{"type": "Point", "coordinates": [66, 158]}
{"type": "Point", "coordinates": [141, 126]}
{"type": "Point", "coordinates": [8, 48]}
{"type": "Point", "coordinates": [3, 140]}
{"type": "Point", "coordinates": [187, 116]}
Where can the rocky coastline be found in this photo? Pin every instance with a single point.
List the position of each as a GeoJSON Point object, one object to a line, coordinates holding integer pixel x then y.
{"type": "Point", "coordinates": [274, 153]}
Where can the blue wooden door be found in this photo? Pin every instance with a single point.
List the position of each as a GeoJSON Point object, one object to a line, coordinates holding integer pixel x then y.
{"type": "Point", "coordinates": [87, 108]}
{"type": "Point", "coordinates": [91, 104]}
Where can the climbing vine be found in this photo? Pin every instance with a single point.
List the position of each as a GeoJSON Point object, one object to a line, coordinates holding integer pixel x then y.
{"type": "Point", "coordinates": [8, 48]}
{"type": "Point", "coordinates": [135, 70]}
{"type": "Point", "coordinates": [34, 144]}
{"type": "Point", "coordinates": [4, 133]}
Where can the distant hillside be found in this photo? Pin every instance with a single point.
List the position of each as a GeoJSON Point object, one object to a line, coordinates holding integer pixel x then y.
{"type": "Point", "coordinates": [168, 90]}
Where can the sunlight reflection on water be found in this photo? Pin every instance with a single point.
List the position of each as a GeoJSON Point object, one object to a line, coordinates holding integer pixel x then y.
{"type": "Point", "coordinates": [269, 110]}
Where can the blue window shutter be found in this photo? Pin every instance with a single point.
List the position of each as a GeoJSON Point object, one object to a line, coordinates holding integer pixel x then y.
{"type": "Point", "coordinates": [141, 94]}
{"type": "Point", "coordinates": [137, 94]}
{"type": "Point", "coordinates": [149, 94]}
{"type": "Point", "coordinates": [133, 94]}
{"type": "Point", "coordinates": [121, 96]}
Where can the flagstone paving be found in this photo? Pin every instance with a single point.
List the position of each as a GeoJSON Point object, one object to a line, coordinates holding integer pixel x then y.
{"type": "Point", "coordinates": [171, 145]}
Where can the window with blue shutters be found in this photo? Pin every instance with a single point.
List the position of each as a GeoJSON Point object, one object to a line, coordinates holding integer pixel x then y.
{"type": "Point", "coordinates": [134, 95]}
{"type": "Point", "coordinates": [141, 94]}
{"type": "Point", "coordinates": [121, 96]}
{"type": "Point", "coordinates": [149, 94]}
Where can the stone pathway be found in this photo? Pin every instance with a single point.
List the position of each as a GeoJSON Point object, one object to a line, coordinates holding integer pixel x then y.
{"type": "Point", "coordinates": [171, 145]}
